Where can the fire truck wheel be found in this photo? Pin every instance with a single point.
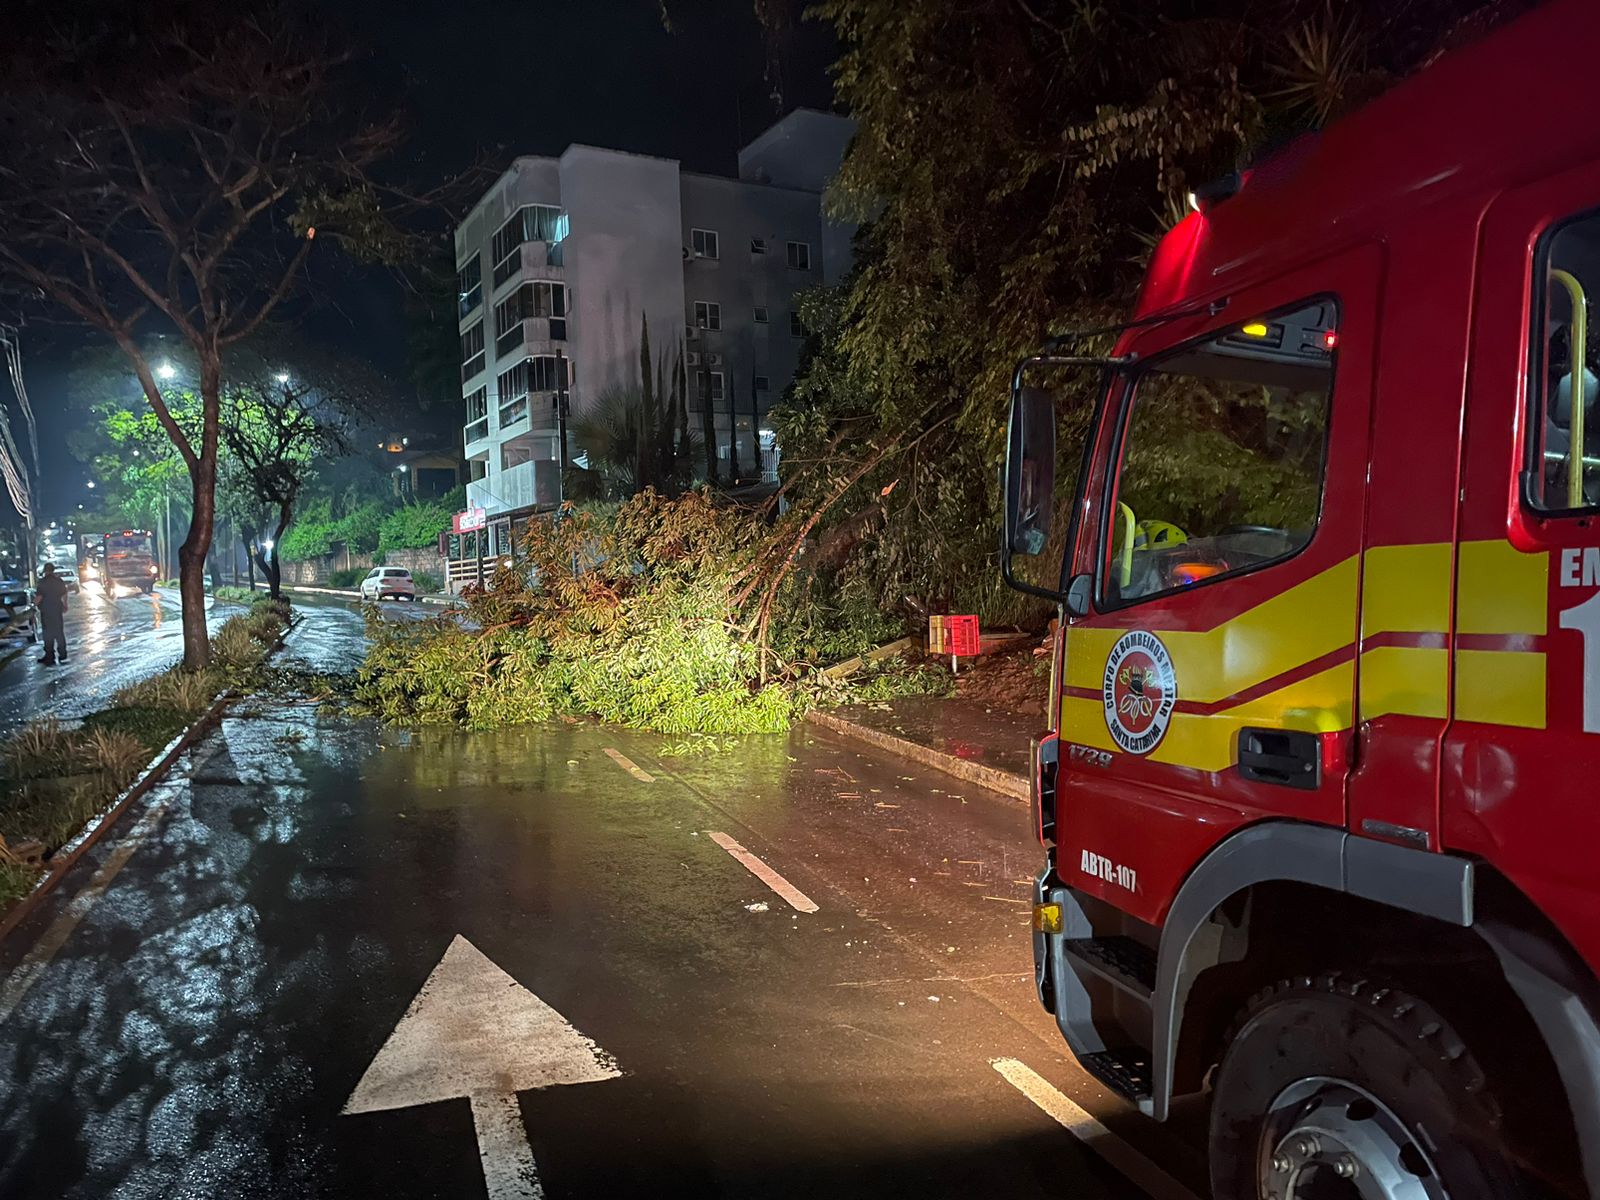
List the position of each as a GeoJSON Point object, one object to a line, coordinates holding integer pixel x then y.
{"type": "Point", "coordinates": [1340, 1087]}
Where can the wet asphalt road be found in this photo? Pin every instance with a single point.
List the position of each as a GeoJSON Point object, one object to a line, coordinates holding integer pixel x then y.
{"type": "Point", "coordinates": [205, 1020]}
{"type": "Point", "coordinates": [110, 643]}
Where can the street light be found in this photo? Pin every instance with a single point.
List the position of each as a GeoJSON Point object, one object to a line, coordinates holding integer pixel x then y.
{"type": "Point", "coordinates": [266, 544]}
{"type": "Point", "coordinates": [91, 483]}
{"type": "Point", "coordinates": [166, 370]}
{"type": "Point", "coordinates": [283, 377]}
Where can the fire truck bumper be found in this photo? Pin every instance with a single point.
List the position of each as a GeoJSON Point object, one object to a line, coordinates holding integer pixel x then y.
{"type": "Point", "coordinates": [1043, 984]}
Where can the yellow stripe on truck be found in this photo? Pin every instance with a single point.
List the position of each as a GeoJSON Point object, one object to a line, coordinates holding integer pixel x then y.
{"type": "Point", "coordinates": [1319, 703]}
{"type": "Point", "coordinates": [1405, 680]}
{"type": "Point", "coordinates": [1297, 626]}
{"type": "Point", "coordinates": [1502, 590]}
{"type": "Point", "coordinates": [1500, 687]}
{"type": "Point", "coordinates": [1406, 589]}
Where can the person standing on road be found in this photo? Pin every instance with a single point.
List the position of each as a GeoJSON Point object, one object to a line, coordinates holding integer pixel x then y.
{"type": "Point", "coordinates": [51, 600]}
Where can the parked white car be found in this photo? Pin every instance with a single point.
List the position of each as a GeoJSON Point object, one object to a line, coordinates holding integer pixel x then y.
{"type": "Point", "coordinates": [388, 583]}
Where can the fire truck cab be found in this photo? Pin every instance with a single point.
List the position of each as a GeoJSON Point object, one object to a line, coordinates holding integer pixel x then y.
{"type": "Point", "coordinates": [1320, 802]}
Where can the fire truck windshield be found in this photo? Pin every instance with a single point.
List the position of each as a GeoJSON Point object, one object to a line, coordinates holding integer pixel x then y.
{"type": "Point", "coordinates": [1223, 456]}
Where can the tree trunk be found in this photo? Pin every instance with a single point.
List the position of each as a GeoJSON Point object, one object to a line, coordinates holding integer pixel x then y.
{"type": "Point", "coordinates": [680, 384]}
{"type": "Point", "coordinates": [197, 545]}
{"type": "Point", "coordinates": [733, 432]}
{"type": "Point", "coordinates": [273, 567]}
{"type": "Point", "coordinates": [708, 427]}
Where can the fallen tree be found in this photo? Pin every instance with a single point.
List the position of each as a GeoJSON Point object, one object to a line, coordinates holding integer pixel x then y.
{"type": "Point", "coordinates": [659, 614]}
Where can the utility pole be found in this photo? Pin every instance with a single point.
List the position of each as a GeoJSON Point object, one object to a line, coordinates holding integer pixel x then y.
{"type": "Point", "coordinates": [562, 402]}
{"type": "Point", "coordinates": [733, 429]}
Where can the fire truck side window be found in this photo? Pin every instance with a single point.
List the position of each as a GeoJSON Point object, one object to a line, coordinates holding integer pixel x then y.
{"type": "Point", "coordinates": [1564, 436]}
{"type": "Point", "coordinates": [1223, 457]}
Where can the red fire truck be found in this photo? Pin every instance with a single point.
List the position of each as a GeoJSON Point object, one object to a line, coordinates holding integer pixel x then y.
{"type": "Point", "coordinates": [1320, 802]}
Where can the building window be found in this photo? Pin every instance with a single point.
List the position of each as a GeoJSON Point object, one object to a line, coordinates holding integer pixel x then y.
{"type": "Point", "coordinates": [796, 327]}
{"type": "Point", "coordinates": [763, 384]}
{"type": "Point", "coordinates": [761, 314]}
{"type": "Point", "coordinates": [715, 389]}
{"type": "Point", "coordinates": [472, 351]}
{"type": "Point", "coordinates": [758, 245]}
{"type": "Point", "coordinates": [704, 243]}
{"type": "Point", "coordinates": [1256, 396]}
{"type": "Point", "coordinates": [707, 315]}
{"type": "Point", "coordinates": [549, 302]}
{"type": "Point", "coordinates": [478, 404]}
{"type": "Point", "coordinates": [531, 223]}
{"type": "Point", "coordinates": [469, 282]}
{"type": "Point", "coordinates": [540, 373]}
{"type": "Point", "coordinates": [544, 300]}
{"type": "Point", "coordinates": [1564, 434]}
{"type": "Point", "coordinates": [799, 256]}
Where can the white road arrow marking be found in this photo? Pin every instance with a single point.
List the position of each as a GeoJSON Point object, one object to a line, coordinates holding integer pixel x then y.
{"type": "Point", "coordinates": [475, 1033]}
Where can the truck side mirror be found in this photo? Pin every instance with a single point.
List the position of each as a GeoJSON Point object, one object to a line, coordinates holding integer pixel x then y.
{"type": "Point", "coordinates": [1030, 471]}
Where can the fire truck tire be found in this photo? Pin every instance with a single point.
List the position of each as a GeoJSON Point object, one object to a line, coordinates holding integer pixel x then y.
{"type": "Point", "coordinates": [1335, 1078]}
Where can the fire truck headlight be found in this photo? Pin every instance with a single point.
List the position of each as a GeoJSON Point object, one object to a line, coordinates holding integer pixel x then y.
{"type": "Point", "coordinates": [1047, 918]}
{"type": "Point", "coordinates": [154, 570]}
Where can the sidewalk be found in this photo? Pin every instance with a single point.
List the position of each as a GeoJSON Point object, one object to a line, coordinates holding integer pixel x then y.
{"type": "Point", "coordinates": [971, 741]}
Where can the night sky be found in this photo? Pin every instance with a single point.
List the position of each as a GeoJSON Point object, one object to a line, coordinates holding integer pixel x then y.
{"type": "Point", "coordinates": [491, 79]}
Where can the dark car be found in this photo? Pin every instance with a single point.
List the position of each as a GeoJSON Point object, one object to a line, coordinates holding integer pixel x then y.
{"type": "Point", "coordinates": [18, 616]}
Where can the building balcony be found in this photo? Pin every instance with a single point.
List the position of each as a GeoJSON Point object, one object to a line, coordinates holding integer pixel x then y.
{"type": "Point", "coordinates": [514, 415]}
{"type": "Point", "coordinates": [473, 366]}
{"type": "Point", "coordinates": [535, 482]}
{"type": "Point", "coordinates": [477, 431]}
{"type": "Point", "coordinates": [531, 260]}
{"type": "Point", "coordinates": [542, 335]}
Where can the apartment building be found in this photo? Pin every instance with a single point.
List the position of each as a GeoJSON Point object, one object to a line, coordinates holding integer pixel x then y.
{"type": "Point", "coordinates": [564, 259]}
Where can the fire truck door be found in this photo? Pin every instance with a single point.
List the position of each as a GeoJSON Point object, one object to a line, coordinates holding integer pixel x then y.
{"type": "Point", "coordinates": [1211, 685]}
{"type": "Point", "coordinates": [1524, 745]}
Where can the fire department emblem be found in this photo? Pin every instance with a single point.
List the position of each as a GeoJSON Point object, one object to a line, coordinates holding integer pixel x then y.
{"type": "Point", "coordinates": [1140, 691]}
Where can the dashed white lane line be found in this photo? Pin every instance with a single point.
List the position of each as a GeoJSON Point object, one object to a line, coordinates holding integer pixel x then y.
{"type": "Point", "coordinates": [796, 899]}
{"type": "Point", "coordinates": [628, 765]}
{"type": "Point", "coordinates": [1081, 1124]}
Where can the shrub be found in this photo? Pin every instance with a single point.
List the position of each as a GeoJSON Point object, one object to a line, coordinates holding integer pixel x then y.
{"type": "Point", "coordinates": [311, 534]}
{"type": "Point", "coordinates": [117, 754]}
{"type": "Point", "coordinates": [16, 881]}
{"type": "Point", "coordinates": [414, 526]}
{"type": "Point", "coordinates": [346, 577]}
{"type": "Point", "coordinates": [279, 608]}
{"type": "Point", "coordinates": [240, 595]}
{"type": "Point", "coordinates": [359, 528]}
{"type": "Point", "coordinates": [426, 582]}
{"type": "Point", "coordinates": [189, 693]}
{"type": "Point", "coordinates": [38, 748]}
{"type": "Point", "coordinates": [233, 645]}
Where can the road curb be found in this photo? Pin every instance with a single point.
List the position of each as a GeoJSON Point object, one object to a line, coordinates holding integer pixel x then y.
{"type": "Point", "coordinates": [352, 594]}
{"type": "Point", "coordinates": [67, 858]}
{"type": "Point", "coordinates": [1012, 786]}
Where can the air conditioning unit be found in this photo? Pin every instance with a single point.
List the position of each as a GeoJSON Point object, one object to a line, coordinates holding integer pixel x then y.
{"type": "Point", "coordinates": [692, 358]}
{"type": "Point", "coordinates": [691, 333]}
{"type": "Point", "coordinates": [714, 360]}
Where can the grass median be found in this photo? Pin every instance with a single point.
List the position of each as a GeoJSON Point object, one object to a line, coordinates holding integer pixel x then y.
{"type": "Point", "coordinates": [55, 777]}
